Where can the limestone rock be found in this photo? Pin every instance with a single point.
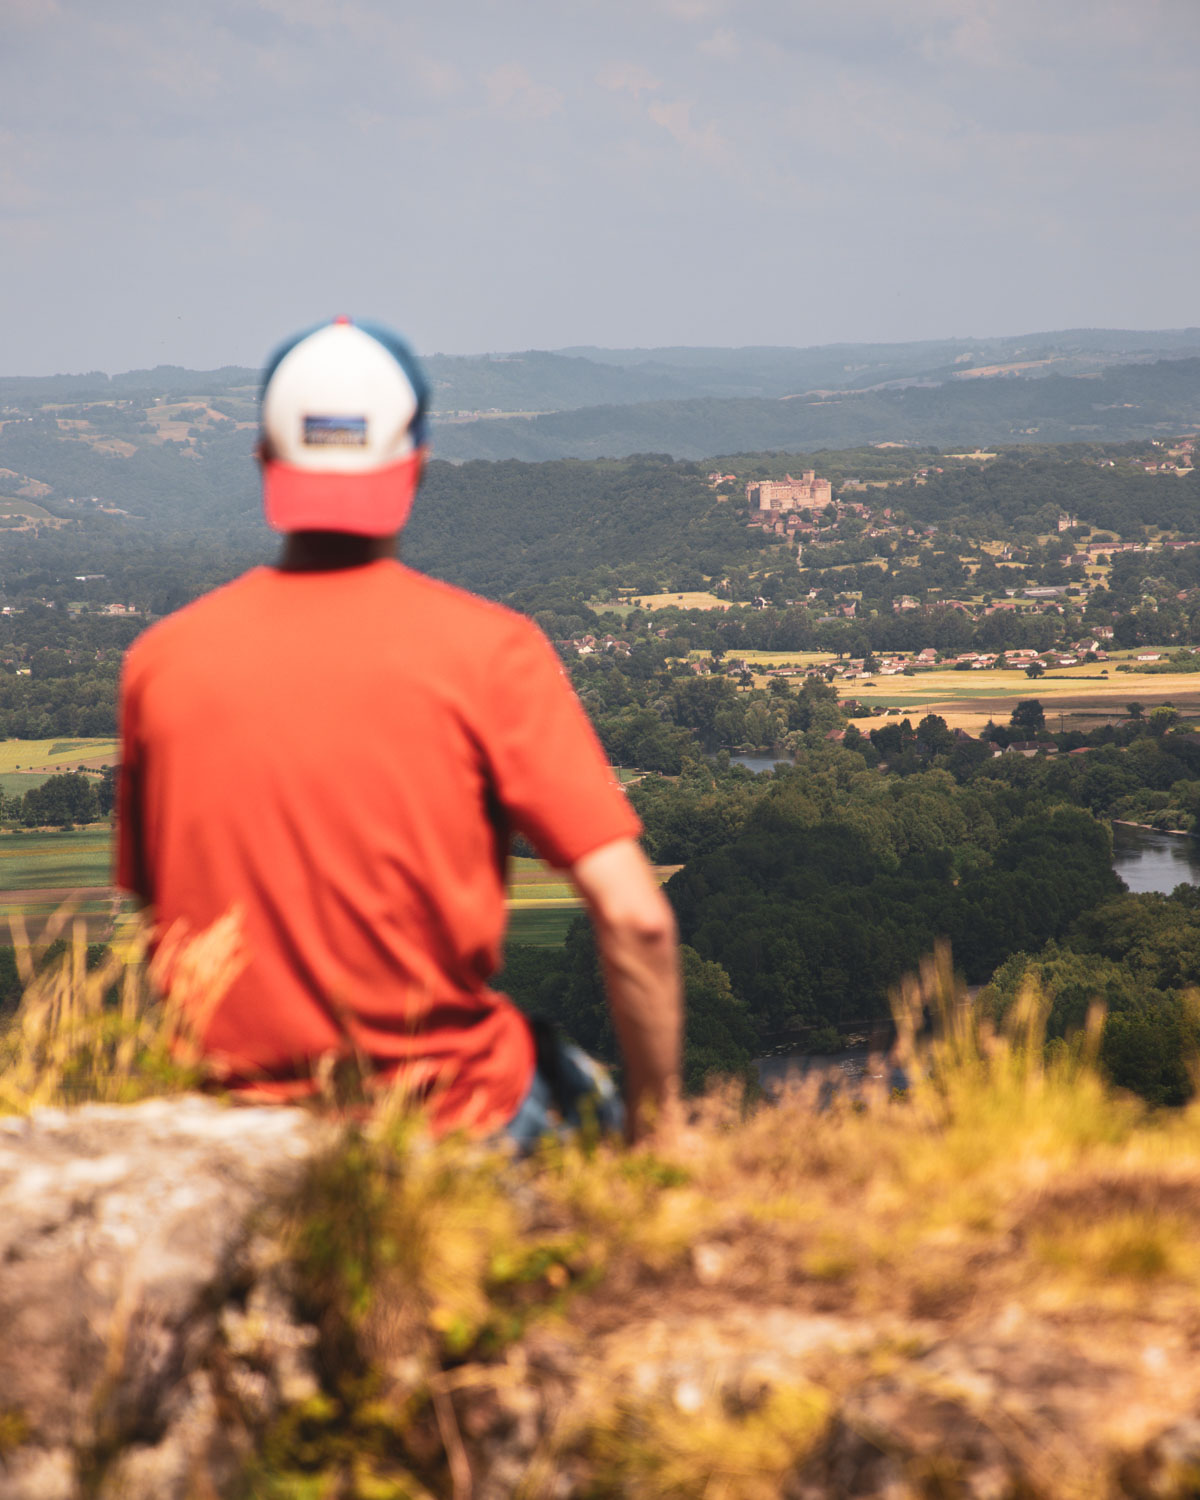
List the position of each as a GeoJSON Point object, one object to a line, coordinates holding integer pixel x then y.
{"type": "Point", "coordinates": [124, 1231]}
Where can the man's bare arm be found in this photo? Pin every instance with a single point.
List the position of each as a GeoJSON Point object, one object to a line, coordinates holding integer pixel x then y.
{"type": "Point", "coordinates": [639, 954]}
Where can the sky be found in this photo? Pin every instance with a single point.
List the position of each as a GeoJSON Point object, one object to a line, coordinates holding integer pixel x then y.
{"type": "Point", "coordinates": [187, 184]}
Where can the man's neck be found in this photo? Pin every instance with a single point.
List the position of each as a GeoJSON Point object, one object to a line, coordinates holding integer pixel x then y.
{"type": "Point", "coordinates": [327, 551]}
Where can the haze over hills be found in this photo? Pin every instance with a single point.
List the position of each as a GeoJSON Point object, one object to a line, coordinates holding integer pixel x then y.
{"type": "Point", "coordinates": [565, 379]}
{"type": "Point", "coordinates": [181, 439]}
{"type": "Point", "coordinates": [1126, 402]}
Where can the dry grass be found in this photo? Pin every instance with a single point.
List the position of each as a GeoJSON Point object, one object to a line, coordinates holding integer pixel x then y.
{"type": "Point", "coordinates": [1007, 1200]}
{"type": "Point", "coordinates": [1001, 1186]}
{"type": "Point", "coordinates": [109, 1034]}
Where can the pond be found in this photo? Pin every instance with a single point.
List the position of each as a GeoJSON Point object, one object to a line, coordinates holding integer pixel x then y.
{"type": "Point", "coordinates": [758, 762]}
{"type": "Point", "coordinates": [1147, 860]}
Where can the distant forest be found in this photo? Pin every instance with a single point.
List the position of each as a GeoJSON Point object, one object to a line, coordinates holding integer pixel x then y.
{"type": "Point", "coordinates": [559, 531]}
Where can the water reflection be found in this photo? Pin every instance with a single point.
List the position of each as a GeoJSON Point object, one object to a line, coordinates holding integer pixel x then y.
{"type": "Point", "coordinates": [848, 1070]}
{"type": "Point", "coordinates": [759, 762]}
{"type": "Point", "coordinates": [1150, 861]}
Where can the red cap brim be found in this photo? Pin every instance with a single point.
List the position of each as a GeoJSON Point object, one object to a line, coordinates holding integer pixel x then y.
{"type": "Point", "coordinates": [374, 504]}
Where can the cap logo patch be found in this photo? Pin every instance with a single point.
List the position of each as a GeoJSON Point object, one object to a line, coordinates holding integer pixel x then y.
{"type": "Point", "coordinates": [335, 432]}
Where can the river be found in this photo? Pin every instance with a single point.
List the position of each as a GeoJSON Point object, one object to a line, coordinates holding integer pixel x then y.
{"type": "Point", "coordinates": [1147, 860]}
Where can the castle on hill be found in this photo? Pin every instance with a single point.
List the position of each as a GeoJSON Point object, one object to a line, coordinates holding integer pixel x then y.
{"type": "Point", "coordinates": [806, 493]}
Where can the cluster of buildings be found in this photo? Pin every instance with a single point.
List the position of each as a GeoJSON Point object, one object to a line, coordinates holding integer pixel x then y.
{"type": "Point", "coordinates": [782, 495]}
{"type": "Point", "coordinates": [895, 663]}
{"type": "Point", "coordinates": [1089, 648]}
{"type": "Point", "coordinates": [590, 645]}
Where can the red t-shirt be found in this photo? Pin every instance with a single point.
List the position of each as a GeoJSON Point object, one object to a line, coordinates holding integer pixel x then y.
{"type": "Point", "coordinates": [341, 757]}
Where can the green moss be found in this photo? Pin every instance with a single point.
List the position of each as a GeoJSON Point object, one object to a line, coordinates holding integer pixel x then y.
{"type": "Point", "coordinates": [326, 1449]}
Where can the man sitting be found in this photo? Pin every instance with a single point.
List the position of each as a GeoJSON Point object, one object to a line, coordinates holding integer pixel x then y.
{"type": "Point", "coordinates": [338, 750]}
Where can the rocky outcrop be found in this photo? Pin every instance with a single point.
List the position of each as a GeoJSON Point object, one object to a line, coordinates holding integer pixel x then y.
{"type": "Point", "coordinates": [152, 1335]}
{"type": "Point", "coordinates": [131, 1256]}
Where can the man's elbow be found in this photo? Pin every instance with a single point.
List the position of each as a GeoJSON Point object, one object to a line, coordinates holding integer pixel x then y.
{"type": "Point", "coordinates": [648, 923]}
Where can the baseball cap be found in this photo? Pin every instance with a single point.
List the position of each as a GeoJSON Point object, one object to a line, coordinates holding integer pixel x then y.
{"type": "Point", "coordinates": [343, 427]}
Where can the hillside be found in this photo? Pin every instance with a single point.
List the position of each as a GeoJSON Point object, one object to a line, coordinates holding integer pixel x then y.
{"type": "Point", "coordinates": [1123, 403]}
{"type": "Point", "coordinates": [184, 457]}
{"type": "Point", "coordinates": [506, 526]}
{"type": "Point", "coordinates": [566, 379]}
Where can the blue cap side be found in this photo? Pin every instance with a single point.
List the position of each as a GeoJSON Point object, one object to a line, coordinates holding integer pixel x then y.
{"type": "Point", "coordinates": [394, 345]}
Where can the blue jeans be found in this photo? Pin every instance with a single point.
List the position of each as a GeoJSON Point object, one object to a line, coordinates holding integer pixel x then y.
{"type": "Point", "coordinates": [569, 1091]}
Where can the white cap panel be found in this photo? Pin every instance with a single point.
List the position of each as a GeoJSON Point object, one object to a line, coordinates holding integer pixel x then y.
{"type": "Point", "coordinates": [339, 403]}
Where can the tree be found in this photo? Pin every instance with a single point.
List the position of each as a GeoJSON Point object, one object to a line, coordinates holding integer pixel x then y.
{"type": "Point", "coordinates": [934, 734]}
{"type": "Point", "coordinates": [1029, 715]}
{"type": "Point", "coordinates": [1034, 669]}
{"type": "Point", "coordinates": [63, 800]}
{"type": "Point", "coordinates": [719, 1037]}
{"type": "Point", "coordinates": [1162, 718]}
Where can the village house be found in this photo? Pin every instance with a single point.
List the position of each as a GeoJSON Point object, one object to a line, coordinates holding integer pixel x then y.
{"type": "Point", "coordinates": [1030, 748]}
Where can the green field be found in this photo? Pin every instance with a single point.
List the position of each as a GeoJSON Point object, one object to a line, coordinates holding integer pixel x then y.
{"type": "Point", "coordinates": [11, 506]}
{"type": "Point", "coordinates": [540, 926]}
{"type": "Point", "coordinates": [49, 866]}
{"type": "Point", "coordinates": [56, 861]}
{"type": "Point", "coordinates": [17, 783]}
{"type": "Point", "coordinates": [542, 903]}
{"type": "Point", "coordinates": [55, 755]}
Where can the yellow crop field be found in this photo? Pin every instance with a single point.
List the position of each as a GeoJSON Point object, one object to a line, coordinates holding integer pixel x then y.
{"type": "Point", "coordinates": [56, 755]}
{"type": "Point", "coordinates": [967, 700]}
{"type": "Point", "coordinates": [696, 599]}
{"type": "Point", "coordinates": [758, 660]}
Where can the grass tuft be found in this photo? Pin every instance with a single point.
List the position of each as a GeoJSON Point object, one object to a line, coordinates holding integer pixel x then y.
{"type": "Point", "coordinates": [107, 1033]}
